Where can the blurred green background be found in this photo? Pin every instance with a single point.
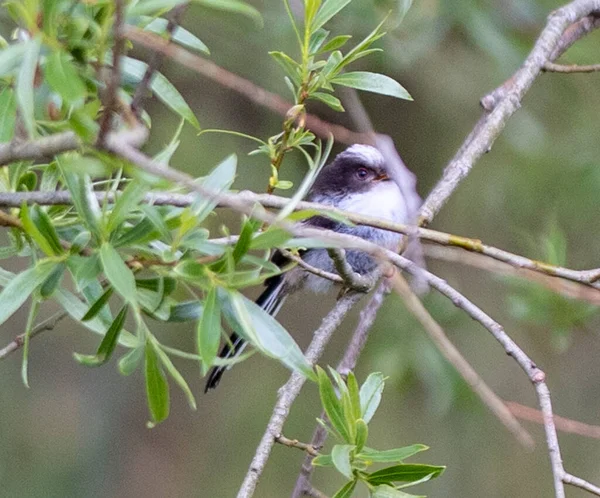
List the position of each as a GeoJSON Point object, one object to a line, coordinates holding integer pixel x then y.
{"type": "Point", "coordinates": [81, 432]}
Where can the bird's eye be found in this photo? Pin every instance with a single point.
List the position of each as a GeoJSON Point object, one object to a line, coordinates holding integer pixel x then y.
{"type": "Point", "coordinates": [362, 173]}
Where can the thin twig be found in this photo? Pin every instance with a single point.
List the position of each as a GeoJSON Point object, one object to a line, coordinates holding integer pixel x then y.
{"type": "Point", "coordinates": [19, 150]}
{"type": "Point", "coordinates": [294, 443]}
{"type": "Point", "coordinates": [111, 95]}
{"type": "Point", "coordinates": [458, 361]}
{"type": "Point", "coordinates": [580, 483]}
{"type": "Point", "coordinates": [156, 61]}
{"type": "Point", "coordinates": [551, 67]}
{"type": "Point", "coordinates": [562, 424]}
{"type": "Point", "coordinates": [353, 280]}
{"type": "Point", "coordinates": [312, 269]}
{"type": "Point", "coordinates": [290, 390]}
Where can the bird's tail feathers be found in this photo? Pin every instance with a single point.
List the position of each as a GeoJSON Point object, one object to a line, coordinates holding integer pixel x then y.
{"type": "Point", "coordinates": [271, 301]}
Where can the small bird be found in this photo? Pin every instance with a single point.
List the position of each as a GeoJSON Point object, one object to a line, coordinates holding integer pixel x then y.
{"type": "Point", "coordinates": [358, 181]}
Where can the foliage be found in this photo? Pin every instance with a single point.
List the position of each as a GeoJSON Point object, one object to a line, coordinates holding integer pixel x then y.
{"type": "Point", "coordinates": [348, 415]}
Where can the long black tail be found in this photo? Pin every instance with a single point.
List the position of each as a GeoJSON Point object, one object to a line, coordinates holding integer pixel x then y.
{"type": "Point", "coordinates": [270, 300]}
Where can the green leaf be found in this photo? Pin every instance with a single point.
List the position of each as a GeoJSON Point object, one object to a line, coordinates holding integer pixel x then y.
{"type": "Point", "coordinates": [354, 396]}
{"type": "Point", "coordinates": [157, 388]}
{"type": "Point", "coordinates": [8, 114]}
{"type": "Point", "coordinates": [108, 344]}
{"type": "Point", "coordinates": [335, 43]}
{"type": "Point", "coordinates": [82, 193]}
{"type": "Point", "coordinates": [362, 433]}
{"type": "Point", "coordinates": [340, 454]}
{"type": "Point", "coordinates": [218, 181]}
{"type": "Point", "coordinates": [20, 287]}
{"type": "Point", "coordinates": [125, 204]}
{"type": "Point", "coordinates": [272, 237]}
{"type": "Point", "coordinates": [32, 229]}
{"type": "Point", "coordinates": [385, 491]}
{"type": "Point", "coordinates": [405, 473]}
{"type": "Point", "coordinates": [98, 305]}
{"type": "Point", "coordinates": [162, 88]}
{"type": "Point", "coordinates": [322, 461]}
{"type": "Point", "coordinates": [329, 9]}
{"type": "Point", "coordinates": [11, 58]}
{"type": "Point", "coordinates": [209, 330]}
{"type": "Point", "coordinates": [372, 82]}
{"type": "Point", "coordinates": [130, 361]}
{"type": "Point", "coordinates": [53, 281]}
{"type": "Point", "coordinates": [118, 273]}
{"type": "Point", "coordinates": [146, 7]}
{"type": "Point", "coordinates": [24, 87]}
{"type": "Point", "coordinates": [33, 310]}
{"type": "Point", "coordinates": [332, 405]}
{"type": "Point", "coordinates": [63, 77]}
{"type": "Point", "coordinates": [180, 35]}
{"type": "Point", "coordinates": [329, 100]}
{"type": "Point", "coordinates": [186, 311]}
{"type": "Point", "coordinates": [289, 65]}
{"type": "Point", "coordinates": [389, 456]}
{"type": "Point", "coordinates": [264, 332]}
{"type": "Point", "coordinates": [346, 490]}
{"type": "Point", "coordinates": [177, 377]}
{"type": "Point", "coordinates": [234, 6]}
{"type": "Point", "coordinates": [370, 395]}
{"type": "Point", "coordinates": [316, 40]}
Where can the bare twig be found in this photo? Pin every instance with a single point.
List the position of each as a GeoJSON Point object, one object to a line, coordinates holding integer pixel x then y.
{"type": "Point", "coordinates": [580, 483]}
{"type": "Point", "coordinates": [111, 97]}
{"type": "Point", "coordinates": [353, 280]}
{"type": "Point", "coordinates": [18, 342]}
{"type": "Point", "coordinates": [502, 105]}
{"type": "Point", "coordinates": [294, 443]}
{"type": "Point", "coordinates": [551, 67]}
{"type": "Point", "coordinates": [562, 424]}
{"type": "Point", "coordinates": [290, 390]}
{"type": "Point", "coordinates": [41, 148]}
{"type": "Point", "coordinates": [453, 355]}
{"type": "Point", "coordinates": [156, 61]}
{"type": "Point", "coordinates": [312, 269]}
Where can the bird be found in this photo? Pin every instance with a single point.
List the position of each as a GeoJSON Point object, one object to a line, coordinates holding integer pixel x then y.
{"type": "Point", "coordinates": [360, 181]}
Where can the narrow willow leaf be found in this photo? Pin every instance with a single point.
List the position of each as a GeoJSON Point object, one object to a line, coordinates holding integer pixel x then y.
{"type": "Point", "coordinates": [362, 433]}
{"type": "Point", "coordinates": [385, 491]}
{"type": "Point", "coordinates": [125, 204]}
{"type": "Point", "coordinates": [372, 82]}
{"type": "Point", "coordinates": [108, 344]}
{"type": "Point", "coordinates": [63, 76]}
{"type": "Point", "coordinates": [157, 387]}
{"type": "Point", "coordinates": [33, 310]}
{"type": "Point", "coordinates": [322, 461]}
{"type": "Point", "coordinates": [180, 35]}
{"type": "Point", "coordinates": [265, 333]}
{"type": "Point", "coordinates": [11, 57]}
{"type": "Point", "coordinates": [32, 230]}
{"type": "Point", "coordinates": [130, 361]}
{"type": "Point", "coordinates": [329, 9]}
{"type": "Point", "coordinates": [162, 88]}
{"type": "Point", "coordinates": [186, 311]}
{"type": "Point", "coordinates": [328, 100]}
{"type": "Point", "coordinates": [370, 395]}
{"type": "Point", "coordinates": [177, 377]}
{"type": "Point", "coordinates": [8, 114]}
{"type": "Point", "coordinates": [405, 473]}
{"type": "Point", "coordinates": [98, 305]}
{"type": "Point", "coordinates": [234, 6]}
{"type": "Point", "coordinates": [145, 7]}
{"type": "Point", "coordinates": [19, 288]}
{"type": "Point", "coordinates": [273, 237]}
{"type": "Point", "coordinates": [117, 273]}
{"type": "Point", "coordinates": [340, 454]}
{"type": "Point", "coordinates": [218, 181]}
{"type": "Point", "coordinates": [390, 456]}
{"type": "Point", "coordinates": [289, 65]}
{"type": "Point", "coordinates": [332, 405]}
{"type": "Point", "coordinates": [316, 40]}
{"type": "Point", "coordinates": [209, 330]}
{"type": "Point", "coordinates": [53, 281]}
{"type": "Point", "coordinates": [354, 396]}
{"type": "Point", "coordinates": [346, 491]}
{"type": "Point", "coordinates": [24, 87]}
{"type": "Point", "coordinates": [335, 43]}
{"type": "Point", "coordinates": [46, 227]}
{"type": "Point", "coordinates": [82, 193]}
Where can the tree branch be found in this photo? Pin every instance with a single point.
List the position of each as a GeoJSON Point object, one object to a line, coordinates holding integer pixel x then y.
{"type": "Point", "coordinates": [501, 105]}
{"type": "Point", "coordinates": [551, 67]}
{"type": "Point", "coordinates": [41, 148]}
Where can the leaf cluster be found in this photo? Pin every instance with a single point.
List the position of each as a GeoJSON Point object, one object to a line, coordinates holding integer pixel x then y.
{"type": "Point", "coordinates": [349, 409]}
